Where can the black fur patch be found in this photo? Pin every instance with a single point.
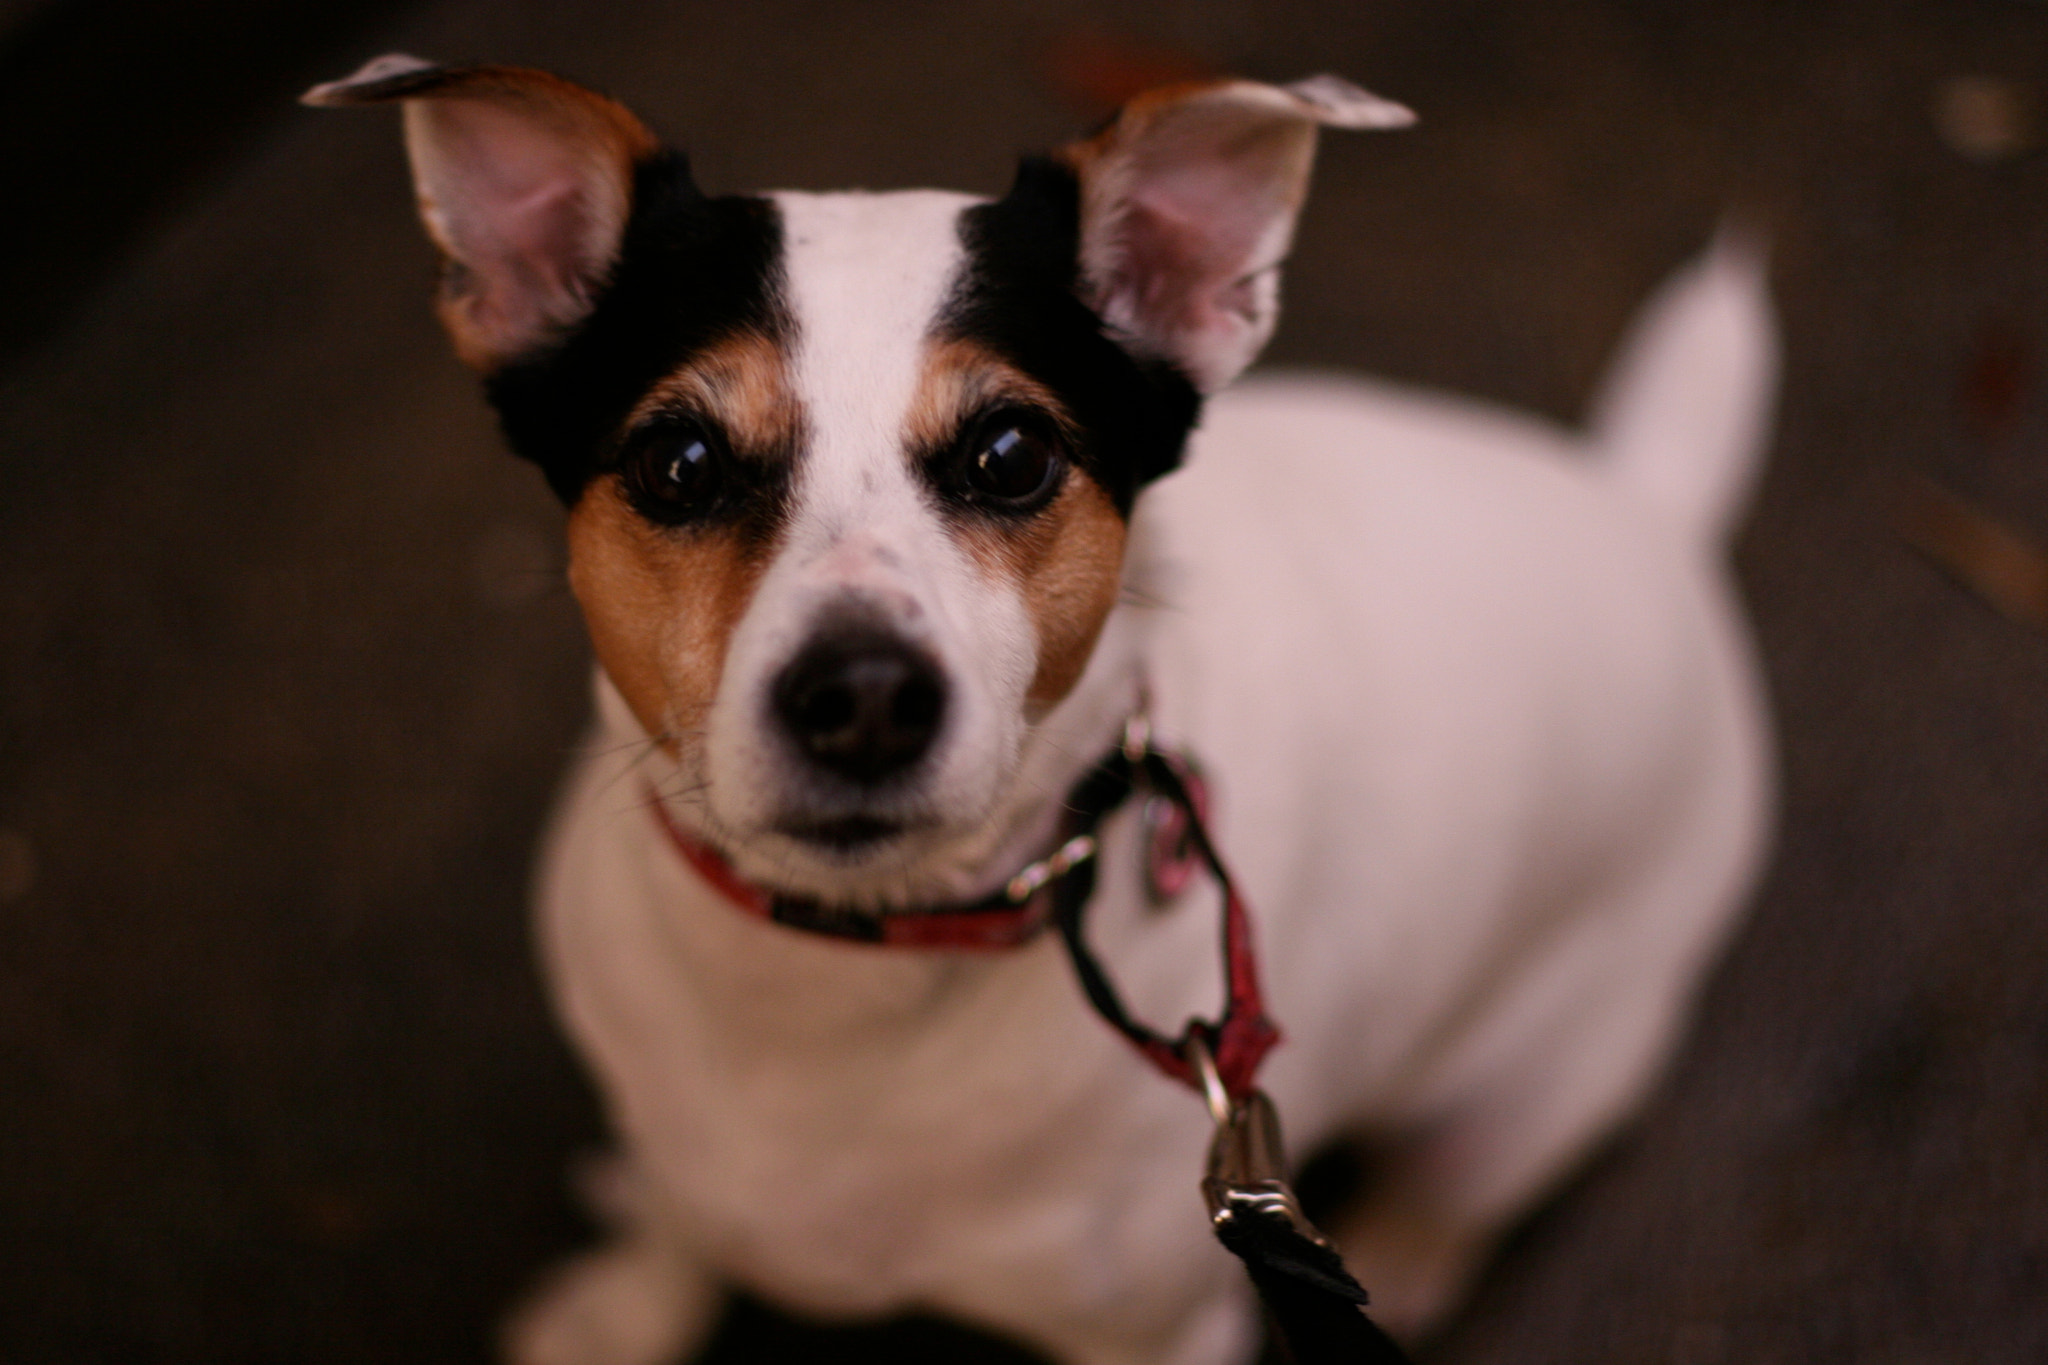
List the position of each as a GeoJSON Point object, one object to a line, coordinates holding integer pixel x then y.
{"type": "Point", "coordinates": [691, 270]}
{"type": "Point", "coordinates": [1019, 296]}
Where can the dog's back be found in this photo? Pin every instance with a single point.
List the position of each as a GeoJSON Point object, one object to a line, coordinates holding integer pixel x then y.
{"type": "Point", "coordinates": [1489, 744]}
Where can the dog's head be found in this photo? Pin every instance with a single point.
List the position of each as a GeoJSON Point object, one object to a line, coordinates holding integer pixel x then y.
{"type": "Point", "coordinates": [849, 474]}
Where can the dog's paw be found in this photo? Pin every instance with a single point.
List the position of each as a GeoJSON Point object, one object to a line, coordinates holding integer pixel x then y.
{"type": "Point", "coordinates": [624, 1304]}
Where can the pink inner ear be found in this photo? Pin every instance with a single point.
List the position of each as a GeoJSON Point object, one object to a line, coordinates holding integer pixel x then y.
{"type": "Point", "coordinates": [528, 206]}
{"type": "Point", "coordinates": [1199, 201]}
{"type": "Point", "coordinates": [1227, 195]}
{"type": "Point", "coordinates": [1189, 235]}
{"type": "Point", "coordinates": [535, 247]}
{"type": "Point", "coordinates": [1160, 261]}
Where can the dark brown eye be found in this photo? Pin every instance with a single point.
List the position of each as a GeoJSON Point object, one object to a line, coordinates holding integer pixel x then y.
{"type": "Point", "coordinates": [1012, 462]}
{"type": "Point", "coordinates": [674, 472]}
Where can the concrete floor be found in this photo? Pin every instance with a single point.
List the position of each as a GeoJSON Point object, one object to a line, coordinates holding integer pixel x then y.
{"type": "Point", "coordinates": [289, 671]}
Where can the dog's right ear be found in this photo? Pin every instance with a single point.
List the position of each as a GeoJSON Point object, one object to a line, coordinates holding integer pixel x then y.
{"type": "Point", "coordinates": [525, 182]}
{"type": "Point", "coordinates": [1188, 199]}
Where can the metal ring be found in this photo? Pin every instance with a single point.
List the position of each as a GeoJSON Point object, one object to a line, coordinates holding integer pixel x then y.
{"type": "Point", "coordinates": [1137, 736]}
{"type": "Point", "coordinates": [1212, 1080]}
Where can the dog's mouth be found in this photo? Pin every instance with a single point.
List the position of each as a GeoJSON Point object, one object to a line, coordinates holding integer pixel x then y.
{"type": "Point", "coordinates": [845, 834]}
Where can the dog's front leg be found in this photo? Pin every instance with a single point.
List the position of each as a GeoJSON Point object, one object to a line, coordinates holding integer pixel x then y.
{"type": "Point", "coordinates": [641, 1298]}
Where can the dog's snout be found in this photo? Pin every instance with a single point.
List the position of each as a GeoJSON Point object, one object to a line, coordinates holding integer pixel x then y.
{"type": "Point", "coordinates": [862, 703]}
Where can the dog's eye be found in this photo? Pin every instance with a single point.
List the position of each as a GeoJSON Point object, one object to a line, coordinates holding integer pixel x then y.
{"type": "Point", "coordinates": [1012, 462]}
{"type": "Point", "coordinates": [674, 472]}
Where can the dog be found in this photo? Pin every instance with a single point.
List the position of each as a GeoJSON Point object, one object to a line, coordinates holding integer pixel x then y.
{"type": "Point", "coordinates": [889, 514]}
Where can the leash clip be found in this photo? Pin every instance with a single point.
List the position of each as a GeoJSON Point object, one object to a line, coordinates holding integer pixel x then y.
{"type": "Point", "coordinates": [1311, 1298]}
{"type": "Point", "coordinates": [1247, 1172]}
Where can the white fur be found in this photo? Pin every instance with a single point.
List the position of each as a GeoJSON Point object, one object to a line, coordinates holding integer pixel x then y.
{"type": "Point", "coordinates": [865, 276]}
{"type": "Point", "coordinates": [1488, 757]}
{"type": "Point", "coordinates": [1663, 418]}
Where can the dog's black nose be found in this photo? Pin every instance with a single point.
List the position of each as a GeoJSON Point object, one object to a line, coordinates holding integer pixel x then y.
{"type": "Point", "coordinates": [861, 702]}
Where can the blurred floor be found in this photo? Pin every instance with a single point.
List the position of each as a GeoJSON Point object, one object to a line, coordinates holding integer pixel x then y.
{"type": "Point", "coordinates": [288, 669]}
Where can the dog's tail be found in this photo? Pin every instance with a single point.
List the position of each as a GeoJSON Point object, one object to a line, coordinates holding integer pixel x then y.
{"type": "Point", "coordinates": [1684, 415]}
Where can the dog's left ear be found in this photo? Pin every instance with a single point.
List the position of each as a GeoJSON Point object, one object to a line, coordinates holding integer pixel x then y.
{"type": "Point", "coordinates": [525, 182]}
{"type": "Point", "coordinates": [1188, 200]}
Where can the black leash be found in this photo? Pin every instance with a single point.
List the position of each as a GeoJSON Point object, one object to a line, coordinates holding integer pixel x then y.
{"type": "Point", "coordinates": [1315, 1307]}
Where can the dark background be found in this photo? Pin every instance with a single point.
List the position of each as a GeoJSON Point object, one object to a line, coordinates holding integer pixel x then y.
{"type": "Point", "coordinates": [287, 670]}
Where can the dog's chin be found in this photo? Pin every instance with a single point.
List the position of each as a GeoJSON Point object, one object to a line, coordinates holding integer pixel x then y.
{"type": "Point", "coordinates": [874, 859]}
{"type": "Point", "coordinates": [932, 837]}
{"type": "Point", "coordinates": [859, 860]}
{"type": "Point", "coordinates": [847, 838]}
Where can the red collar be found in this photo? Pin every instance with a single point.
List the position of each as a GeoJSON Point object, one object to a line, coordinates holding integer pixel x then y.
{"type": "Point", "coordinates": [1055, 891]}
{"type": "Point", "coordinates": [1012, 916]}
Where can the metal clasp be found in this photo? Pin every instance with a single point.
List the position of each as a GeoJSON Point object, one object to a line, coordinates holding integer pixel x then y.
{"type": "Point", "coordinates": [1137, 740]}
{"type": "Point", "coordinates": [1247, 1173]}
{"type": "Point", "coordinates": [1025, 884]}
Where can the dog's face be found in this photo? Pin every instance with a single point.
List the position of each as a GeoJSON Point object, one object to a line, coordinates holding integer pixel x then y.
{"type": "Point", "coordinates": [849, 474]}
{"type": "Point", "coordinates": [843, 556]}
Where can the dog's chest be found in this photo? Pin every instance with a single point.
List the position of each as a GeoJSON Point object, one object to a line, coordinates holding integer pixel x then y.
{"type": "Point", "coordinates": [844, 1201]}
{"type": "Point", "coordinates": [853, 1129]}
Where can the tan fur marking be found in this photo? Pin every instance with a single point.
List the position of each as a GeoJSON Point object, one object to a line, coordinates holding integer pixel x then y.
{"type": "Point", "coordinates": [962, 378]}
{"type": "Point", "coordinates": [1067, 561]}
{"type": "Point", "coordinates": [742, 382]}
{"type": "Point", "coordinates": [661, 606]}
{"type": "Point", "coordinates": [610, 123]}
{"type": "Point", "coordinates": [1136, 116]}
{"type": "Point", "coordinates": [1070, 564]}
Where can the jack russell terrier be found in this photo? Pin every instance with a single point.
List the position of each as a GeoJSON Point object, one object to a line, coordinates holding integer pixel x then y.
{"type": "Point", "coordinates": [889, 513]}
